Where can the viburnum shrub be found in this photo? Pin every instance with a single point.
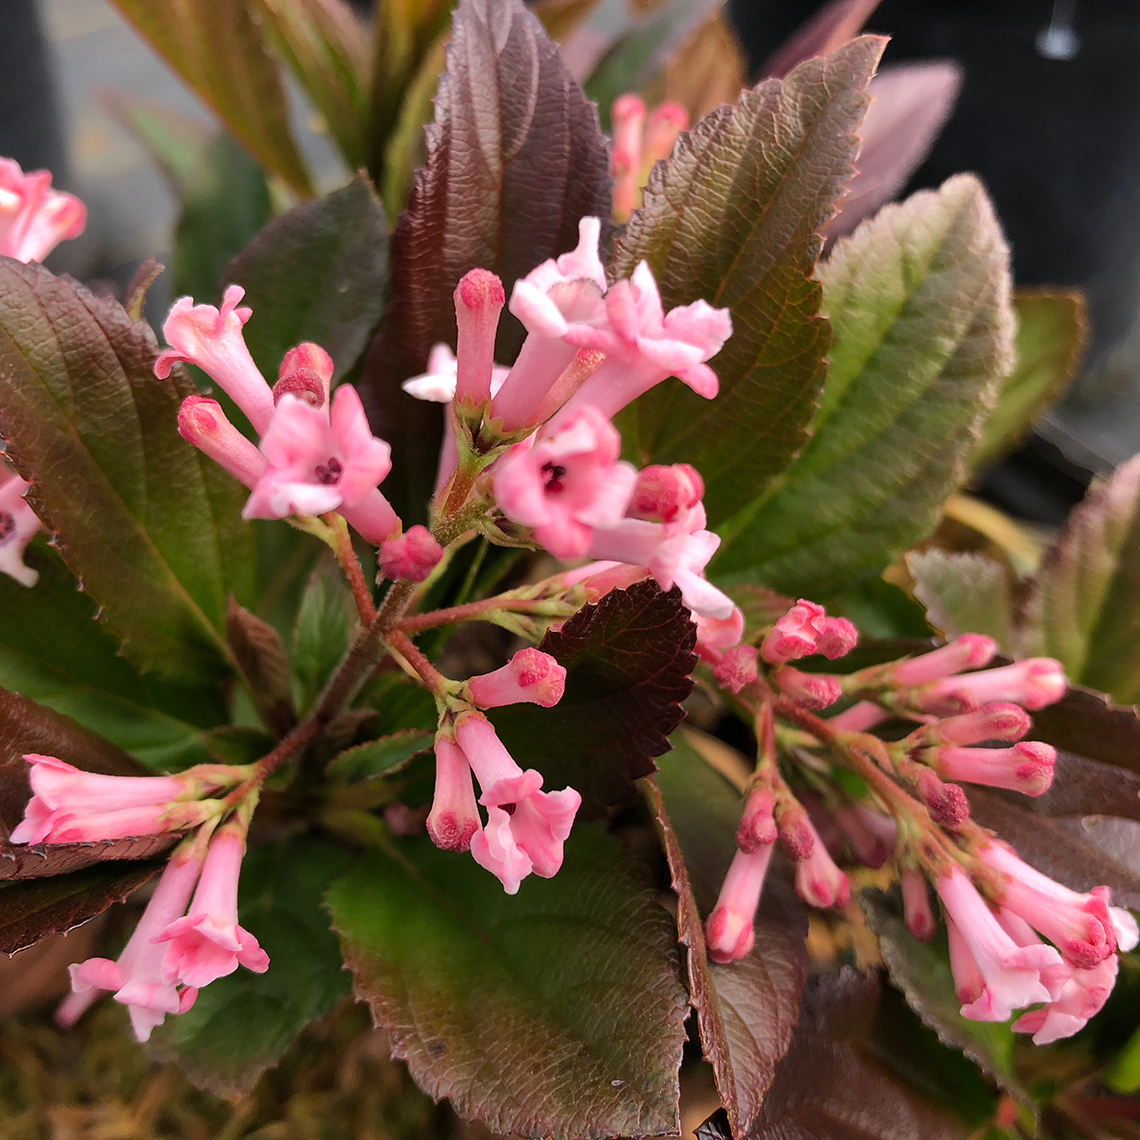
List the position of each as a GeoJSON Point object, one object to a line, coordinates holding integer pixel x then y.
{"type": "Point", "coordinates": [375, 694]}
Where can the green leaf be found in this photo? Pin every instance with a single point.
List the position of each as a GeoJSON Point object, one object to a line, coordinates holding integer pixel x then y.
{"type": "Point", "coordinates": [554, 1013]}
{"type": "Point", "coordinates": [226, 202]}
{"type": "Point", "coordinates": [53, 651]}
{"type": "Point", "coordinates": [32, 909]}
{"type": "Point", "coordinates": [734, 217]}
{"type": "Point", "coordinates": [1052, 331]}
{"type": "Point", "coordinates": [1084, 605]}
{"type": "Point", "coordinates": [318, 273]}
{"type": "Point", "coordinates": [243, 1023]}
{"type": "Point", "coordinates": [921, 970]}
{"type": "Point", "coordinates": [325, 44]}
{"type": "Point", "coordinates": [748, 1009]}
{"type": "Point", "coordinates": [150, 526]}
{"type": "Point", "coordinates": [323, 630]}
{"type": "Point", "coordinates": [964, 593]}
{"type": "Point", "coordinates": [628, 660]}
{"type": "Point", "coordinates": [379, 756]}
{"type": "Point", "coordinates": [513, 159]}
{"type": "Point", "coordinates": [918, 298]}
{"type": "Point", "coordinates": [218, 48]}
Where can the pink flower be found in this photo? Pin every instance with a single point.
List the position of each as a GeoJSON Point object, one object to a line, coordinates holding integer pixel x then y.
{"type": "Point", "coordinates": [818, 880]}
{"type": "Point", "coordinates": [1010, 974]}
{"type": "Point", "coordinates": [479, 299]}
{"type": "Point", "coordinates": [871, 834]}
{"type": "Point", "coordinates": [970, 651]}
{"type": "Point", "coordinates": [72, 806]}
{"type": "Point", "coordinates": [810, 690]}
{"type": "Point", "coordinates": [737, 668]}
{"type": "Point", "coordinates": [758, 823]}
{"type": "Point", "coordinates": [212, 339]}
{"type": "Point", "coordinates": [717, 634]}
{"type": "Point", "coordinates": [666, 494]}
{"type": "Point", "coordinates": [568, 484]}
{"type": "Point", "coordinates": [860, 717]}
{"type": "Point", "coordinates": [413, 555]}
{"type": "Point", "coordinates": [34, 218]}
{"type": "Point", "coordinates": [728, 930]}
{"type": "Point", "coordinates": [454, 817]}
{"type": "Point", "coordinates": [530, 677]}
{"type": "Point", "coordinates": [1083, 996]}
{"type": "Point", "coordinates": [1032, 683]}
{"type": "Point", "coordinates": [666, 122]}
{"type": "Point", "coordinates": [137, 978]}
{"type": "Point", "coordinates": [540, 823]}
{"type": "Point", "coordinates": [18, 526]}
{"type": "Point", "coordinates": [208, 943]}
{"type": "Point", "coordinates": [628, 118]}
{"type": "Point", "coordinates": [644, 345]}
{"type": "Point", "coordinates": [916, 905]}
{"type": "Point", "coordinates": [306, 372]}
{"type": "Point", "coordinates": [1026, 767]}
{"type": "Point", "coordinates": [1079, 925]}
{"type": "Point", "coordinates": [202, 422]}
{"type": "Point", "coordinates": [560, 294]}
{"type": "Point", "coordinates": [318, 462]}
{"type": "Point", "coordinates": [998, 721]}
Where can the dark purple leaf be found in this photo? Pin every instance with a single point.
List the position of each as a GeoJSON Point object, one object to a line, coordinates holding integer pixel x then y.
{"type": "Point", "coordinates": [514, 159]}
{"type": "Point", "coordinates": [829, 29]}
{"type": "Point", "coordinates": [33, 909]}
{"type": "Point", "coordinates": [1089, 724]}
{"type": "Point", "coordinates": [43, 860]}
{"type": "Point", "coordinates": [628, 660]}
{"type": "Point", "coordinates": [733, 217]}
{"type": "Point", "coordinates": [151, 528]}
{"type": "Point", "coordinates": [909, 107]}
{"type": "Point", "coordinates": [746, 1010]}
{"type": "Point", "coordinates": [831, 1087]}
{"type": "Point", "coordinates": [260, 652]}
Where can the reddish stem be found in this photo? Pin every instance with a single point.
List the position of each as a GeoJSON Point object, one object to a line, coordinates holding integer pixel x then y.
{"type": "Point", "coordinates": [469, 612]}
{"type": "Point", "coordinates": [350, 564]}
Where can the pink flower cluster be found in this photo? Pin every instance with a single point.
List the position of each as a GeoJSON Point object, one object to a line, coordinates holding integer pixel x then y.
{"type": "Point", "coordinates": [316, 454]}
{"type": "Point", "coordinates": [971, 721]}
{"type": "Point", "coordinates": [173, 951]}
{"type": "Point", "coordinates": [34, 218]}
{"type": "Point", "coordinates": [526, 827]}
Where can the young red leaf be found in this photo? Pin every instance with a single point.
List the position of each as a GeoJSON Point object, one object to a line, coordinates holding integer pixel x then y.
{"type": "Point", "coordinates": [628, 660]}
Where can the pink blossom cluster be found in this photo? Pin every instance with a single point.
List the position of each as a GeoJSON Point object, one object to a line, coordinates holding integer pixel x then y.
{"type": "Point", "coordinates": [174, 951]}
{"type": "Point", "coordinates": [316, 454]}
{"type": "Point", "coordinates": [971, 722]}
{"type": "Point", "coordinates": [591, 349]}
{"type": "Point", "coordinates": [526, 827]}
{"type": "Point", "coordinates": [34, 218]}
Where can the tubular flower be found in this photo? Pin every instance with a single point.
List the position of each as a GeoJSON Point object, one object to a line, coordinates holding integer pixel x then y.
{"type": "Point", "coordinates": [568, 485]}
{"type": "Point", "coordinates": [202, 422]}
{"type": "Point", "coordinates": [213, 340]}
{"type": "Point", "coordinates": [454, 816]}
{"type": "Point", "coordinates": [728, 930]}
{"type": "Point", "coordinates": [138, 979]}
{"type": "Point", "coordinates": [207, 943]}
{"type": "Point", "coordinates": [73, 806]}
{"type": "Point", "coordinates": [18, 526]}
{"type": "Point", "coordinates": [34, 218]}
{"type": "Point", "coordinates": [1032, 683]}
{"type": "Point", "coordinates": [319, 462]}
{"type": "Point", "coordinates": [1026, 767]}
{"type": "Point", "coordinates": [530, 677]}
{"type": "Point", "coordinates": [413, 555]}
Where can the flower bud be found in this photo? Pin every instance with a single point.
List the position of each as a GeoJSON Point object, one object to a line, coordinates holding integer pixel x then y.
{"type": "Point", "coordinates": [479, 299]}
{"type": "Point", "coordinates": [530, 677]}
{"type": "Point", "coordinates": [413, 555]}
{"type": "Point", "coordinates": [737, 668]}
{"type": "Point", "coordinates": [306, 372]}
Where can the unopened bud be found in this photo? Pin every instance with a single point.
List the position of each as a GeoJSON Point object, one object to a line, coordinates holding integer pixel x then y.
{"type": "Point", "coordinates": [1000, 720]}
{"type": "Point", "coordinates": [479, 299]}
{"type": "Point", "coordinates": [757, 825]}
{"type": "Point", "coordinates": [797, 836]}
{"type": "Point", "coordinates": [1026, 767]}
{"type": "Point", "coordinates": [666, 122]}
{"type": "Point", "coordinates": [837, 637]}
{"type": "Point", "coordinates": [306, 372]}
{"type": "Point", "coordinates": [202, 422]}
{"type": "Point", "coordinates": [737, 668]}
{"type": "Point", "coordinates": [970, 651]}
{"type": "Point", "coordinates": [795, 634]}
{"type": "Point", "coordinates": [411, 556]}
{"type": "Point", "coordinates": [916, 905]}
{"type": "Point", "coordinates": [809, 690]}
{"type": "Point", "coordinates": [820, 882]}
{"type": "Point", "coordinates": [871, 834]}
{"type": "Point", "coordinates": [530, 677]}
{"type": "Point", "coordinates": [946, 803]}
{"type": "Point", "coordinates": [661, 493]}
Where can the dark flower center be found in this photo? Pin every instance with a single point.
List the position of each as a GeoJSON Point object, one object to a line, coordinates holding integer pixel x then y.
{"type": "Point", "coordinates": [329, 472]}
{"type": "Point", "coordinates": [7, 526]}
{"type": "Point", "coordinates": [553, 475]}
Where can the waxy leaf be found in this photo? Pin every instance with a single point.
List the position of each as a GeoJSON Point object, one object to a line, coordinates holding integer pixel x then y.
{"type": "Point", "coordinates": [628, 660]}
{"type": "Point", "coordinates": [554, 1013]}
{"type": "Point", "coordinates": [963, 593]}
{"type": "Point", "coordinates": [151, 528]}
{"type": "Point", "coordinates": [219, 49]}
{"type": "Point", "coordinates": [747, 1010]}
{"type": "Point", "coordinates": [514, 159]}
{"type": "Point", "coordinates": [830, 1086]}
{"type": "Point", "coordinates": [32, 909]}
{"type": "Point", "coordinates": [224, 204]}
{"type": "Point", "coordinates": [734, 217]}
{"type": "Point", "coordinates": [243, 1023]}
{"type": "Point", "coordinates": [918, 298]}
{"type": "Point", "coordinates": [1052, 330]}
{"type": "Point", "coordinates": [318, 273]}
{"type": "Point", "coordinates": [921, 970]}
{"type": "Point", "coordinates": [53, 651]}
{"type": "Point", "coordinates": [1084, 606]}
